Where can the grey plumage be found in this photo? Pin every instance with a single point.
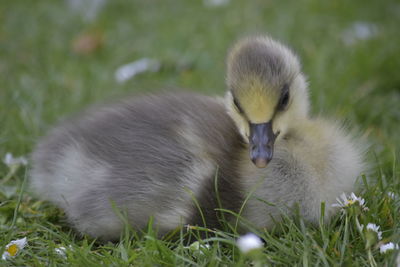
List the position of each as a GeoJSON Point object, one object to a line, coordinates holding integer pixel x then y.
{"type": "Point", "coordinates": [144, 154]}
{"type": "Point", "coordinates": [151, 155]}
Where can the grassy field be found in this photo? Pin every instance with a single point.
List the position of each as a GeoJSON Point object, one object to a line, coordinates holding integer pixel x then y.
{"type": "Point", "coordinates": [56, 58]}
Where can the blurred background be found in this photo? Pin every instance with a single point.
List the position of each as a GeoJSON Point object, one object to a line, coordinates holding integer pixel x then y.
{"type": "Point", "coordinates": [56, 57]}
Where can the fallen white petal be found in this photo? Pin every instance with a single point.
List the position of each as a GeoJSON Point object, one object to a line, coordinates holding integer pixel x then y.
{"type": "Point", "coordinates": [249, 242]}
{"type": "Point", "coordinates": [128, 71]}
{"type": "Point", "coordinates": [359, 31]}
{"type": "Point", "coordinates": [392, 195]}
{"type": "Point", "coordinates": [215, 3]}
{"type": "Point", "coordinates": [60, 251]}
{"type": "Point", "coordinates": [9, 160]}
{"type": "Point", "coordinates": [89, 9]}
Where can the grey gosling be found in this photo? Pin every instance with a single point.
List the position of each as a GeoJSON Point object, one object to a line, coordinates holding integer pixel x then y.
{"type": "Point", "coordinates": [150, 156]}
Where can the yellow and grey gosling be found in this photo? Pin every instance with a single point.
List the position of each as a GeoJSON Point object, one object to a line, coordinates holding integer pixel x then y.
{"type": "Point", "coordinates": [149, 156]}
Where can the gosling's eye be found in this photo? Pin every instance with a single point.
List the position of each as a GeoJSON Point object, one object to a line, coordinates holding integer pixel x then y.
{"type": "Point", "coordinates": [238, 107]}
{"type": "Point", "coordinates": [283, 102]}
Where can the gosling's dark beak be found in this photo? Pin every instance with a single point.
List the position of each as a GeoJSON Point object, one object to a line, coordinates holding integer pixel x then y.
{"type": "Point", "coordinates": [261, 140]}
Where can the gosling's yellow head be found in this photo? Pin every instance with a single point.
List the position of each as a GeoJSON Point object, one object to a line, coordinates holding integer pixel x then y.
{"type": "Point", "coordinates": [267, 93]}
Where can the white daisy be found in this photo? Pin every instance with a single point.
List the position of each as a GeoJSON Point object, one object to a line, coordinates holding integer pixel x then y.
{"type": "Point", "coordinates": [388, 246]}
{"type": "Point", "coordinates": [249, 242]}
{"type": "Point", "coordinates": [375, 228]}
{"type": "Point", "coordinates": [13, 248]}
{"type": "Point", "coordinates": [344, 201]}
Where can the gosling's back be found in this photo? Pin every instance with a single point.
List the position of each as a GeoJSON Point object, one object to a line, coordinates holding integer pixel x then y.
{"type": "Point", "coordinates": [150, 156]}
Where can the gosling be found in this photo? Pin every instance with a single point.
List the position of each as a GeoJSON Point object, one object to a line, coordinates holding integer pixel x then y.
{"type": "Point", "coordinates": [165, 156]}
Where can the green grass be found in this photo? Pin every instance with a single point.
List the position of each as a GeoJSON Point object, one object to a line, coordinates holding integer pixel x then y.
{"type": "Point", "coordinates": [43, 79]}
